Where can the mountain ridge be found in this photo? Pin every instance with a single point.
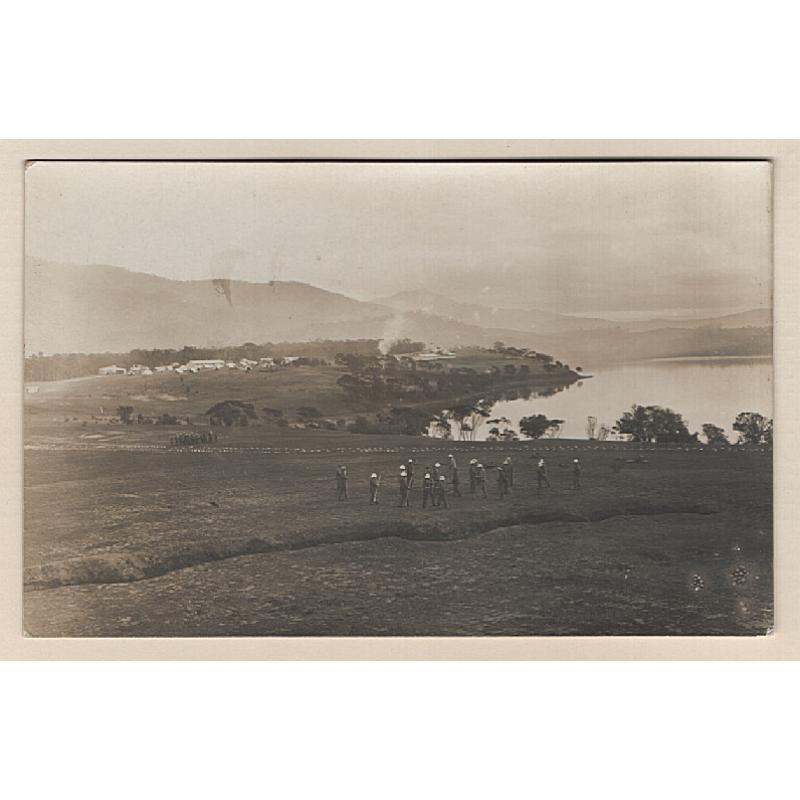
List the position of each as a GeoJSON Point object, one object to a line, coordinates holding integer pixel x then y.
{"type": "Point", "coordinates": [106, 308]}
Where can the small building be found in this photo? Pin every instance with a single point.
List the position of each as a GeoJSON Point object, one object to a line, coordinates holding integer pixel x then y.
{"type": "Point", "coordinates": [289, 359]}
{"type": "Point", "coordinates": [137, 369]}
{"type": "Point", "coordinates": [31, 389]}
{"type": "Point", "coordinates": [197, 364]}
{"type": "Point", "coordinates": [440, 355]}
{"type": "Point", "coordinates": [247, 363]}
{"type": "Point", "coordinates": [112, 370]}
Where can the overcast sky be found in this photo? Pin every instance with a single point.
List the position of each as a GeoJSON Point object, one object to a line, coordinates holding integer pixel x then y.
{"type": "Point", "coordinates": [623, 238]}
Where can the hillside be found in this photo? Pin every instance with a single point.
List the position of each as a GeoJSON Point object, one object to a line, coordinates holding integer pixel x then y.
{"type": "Point", "coordinates": [95, 309]}
{"type": "Point", "coordinates": [102, 308]}
{"type": "Point", "coordinates": [621, 345]}
{"type": "Point", "coordinates": [474, 314]}
{"type": "Point", "coordinates": [755, 318]}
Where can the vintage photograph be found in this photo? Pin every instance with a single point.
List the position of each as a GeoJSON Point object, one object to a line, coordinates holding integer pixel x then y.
{"type": "Point", "coordinates": [398, 398]}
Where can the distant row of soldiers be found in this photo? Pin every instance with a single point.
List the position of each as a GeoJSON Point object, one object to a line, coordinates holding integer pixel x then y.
{"type": "Point", "coordinates": [434, 481]}
{"type": "Point", "coordinates": [189, 439]}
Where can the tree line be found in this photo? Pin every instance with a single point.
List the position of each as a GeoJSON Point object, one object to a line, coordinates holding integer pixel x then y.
{"type": "Point", "coordinates": [463, 421]}
{"type": "Point", "coordinates": [656, 425]}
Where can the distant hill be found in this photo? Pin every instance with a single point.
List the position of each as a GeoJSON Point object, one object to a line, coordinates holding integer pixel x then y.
{"type": "Point", "coordinates": [519, 319]}
{"type": "Point", "coordinates": [755, 318]}
{"type": "Point", "coordinates": [424, 327]}
{"type": "Point", "coordinates": [96, 309]}
{"type": "Point", "coordinates": [102, 308]}
{"type": "Point", "coordinates": [620, 345]}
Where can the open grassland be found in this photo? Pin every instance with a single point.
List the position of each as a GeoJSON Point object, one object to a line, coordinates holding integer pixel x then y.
{"type": "Point", "coordinates": [127, 536]}
{"type": "Point", "coordinates": [188, 395]}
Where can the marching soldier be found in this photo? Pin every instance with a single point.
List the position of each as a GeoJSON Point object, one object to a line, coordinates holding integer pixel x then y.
{"type": "Point", "coordinates": [473, 475]}
{"type": "Point", "coordinates": [435, 474]}
{"type": "Point", "coordinates": [374, 483]}
{"type": "Point", "coordinates": [341, 482]}
{"type": "Point", "coordinates": [403, 489]}
{"type": "Point", "coordinates": [410, 473]}
{"type": "Point", "coordinates": [452, 464]}
{"type": "Point", "coordinates": [541, 474]}
{"type": "Point", "coordinates": [502, 482]}
{"type": "Point", "coordinates": [427, 490]}
{"type": "Point", "coordinates": [576, 474]}
{"type": "Point", "coordinates": [480, 478]}
{"type": "Point", "coordinates": [455, 480]}
{"type": "Point", "coordinates": [508, 468]}
{"type": "Point", "coordinates": [439, 493]}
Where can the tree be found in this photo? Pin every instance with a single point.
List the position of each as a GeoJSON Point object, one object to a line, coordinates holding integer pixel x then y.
{"type": "Point", "coordinates": [753, 428]}
{"type": "Point", "coordinates": [233, 412]}
{"type": "Point", "coordinates": [502, 430]}
{"type": "Point", "coordinates": [714, 434]}
{"type": "Point", "coordinates": [411, 421]}
{"type": "Point", "coordinates": [554, 430]}
{"type": "Point", "coordinates": [402, 346]}
{"type": "Point", "coordinates": [537, 425]}
{"type": "Point", "coordinates": [440, 428]}
{"type": "Point", "coordinates": [125, 414]}
{"type": "Point", "coordinates": [468, 417]}
{"type": "Point", "coordinates": [359, 425]}
{"type": "Point", "coordinates": [654, 424]}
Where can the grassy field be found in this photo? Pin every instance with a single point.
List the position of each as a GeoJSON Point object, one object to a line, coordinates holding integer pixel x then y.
{"type": "Point", "coordinates": [127, 537]}
{"type": "Point", "coordinates": [189, 395]}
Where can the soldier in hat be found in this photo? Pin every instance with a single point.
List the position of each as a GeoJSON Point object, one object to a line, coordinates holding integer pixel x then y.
{"type": "Point", "coordinates": [473, 475]}
{"type": "Point", "coordinates": [508, 468]}
{"type": "Point", "coordinates": [410, 473]}
{"type": "Point", "coordinates": [502, 482]}
{"type": "Point", "coordinates": [541, 474]}
{"type": "Point", "coordinates": [455, 479]}
{"type": "Point", "coordinates": [439, 493]}
{"type": "Point", "coordinates": [374, 483]}
{"type": "Point", "coordinates": [436, 473]}
{"type": "Point", "coordinates": [341, 482]}
{"type": "Point", "coordinates": [427, 489]}
{"type": "Point", "coordinates": [451, 463]}
{"type": "Point", "coordinates": [576, 474]}
{"type": "Point", "coordinates": [403, 488]}
{"type": "Point", "coordinates": [480, 479]}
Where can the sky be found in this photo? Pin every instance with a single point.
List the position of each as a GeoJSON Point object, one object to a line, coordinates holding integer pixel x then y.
{"type": "Point", "coordinates": [620, 239]}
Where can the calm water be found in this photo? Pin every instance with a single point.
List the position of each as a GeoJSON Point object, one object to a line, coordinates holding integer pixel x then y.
{"type": "Point", "coordinates": [701, 389]}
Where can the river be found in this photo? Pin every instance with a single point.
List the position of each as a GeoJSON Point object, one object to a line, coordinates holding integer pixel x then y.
{"type": "Point", "coordinates": [701, 389]}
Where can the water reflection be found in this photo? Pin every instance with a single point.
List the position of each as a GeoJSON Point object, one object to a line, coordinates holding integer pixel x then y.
{"type": "Point", "coordinates": [702, 390]}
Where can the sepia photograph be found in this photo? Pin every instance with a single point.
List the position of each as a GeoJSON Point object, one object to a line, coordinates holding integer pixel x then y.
{"type": "Point", "coordinates": [398, 398]}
